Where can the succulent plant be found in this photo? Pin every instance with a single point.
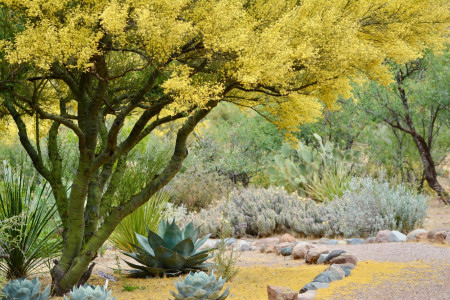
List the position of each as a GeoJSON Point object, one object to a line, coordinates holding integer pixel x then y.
{"type": "Point", "coordinates": [90, 292]}
{"type": "Point", "coordinates": [200, 286]}
{"type": "Point", "coordinates": [24, 289]}
{"type": "Point", "coordinates": [171, 251]}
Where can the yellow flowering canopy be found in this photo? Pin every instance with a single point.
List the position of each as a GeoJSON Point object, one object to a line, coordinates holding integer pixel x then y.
{"type": "Point", "coordinates": [284, 58]}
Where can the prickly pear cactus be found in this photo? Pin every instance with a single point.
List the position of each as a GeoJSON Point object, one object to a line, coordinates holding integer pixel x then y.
{"type": "Point", "coordinates": [200, 286]}
{"type": "Point", "coordinates": [24, 289]}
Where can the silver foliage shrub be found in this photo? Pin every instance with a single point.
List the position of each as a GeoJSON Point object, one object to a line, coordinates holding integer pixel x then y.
{"type": "Point", "coordinates": [367, 205]}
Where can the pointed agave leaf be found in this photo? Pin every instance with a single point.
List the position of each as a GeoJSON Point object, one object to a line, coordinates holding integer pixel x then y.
{"type": "Point", "coordinates": [197, 259]}
{"type": "Point", "coordinates": [201, 241]}
{"type": "Point", "coordinates": [146, 270]}
{"type": "Point", "coordinates": [163, 253]}
{"type": "Point", "coordinates": [155, 240]}
{"type": "Point", "coordinates": [175, 262]}
{"type": "Point", "coordinates": [173, 235]}
{"type": "Point", "coordinates": [143, 242]}
{"type": "Point", "coordinates": [162, 227]}
{"type": "Point", "coordinates": [225, 294]}
{"type": "Point", "coordinates": [188, 230]}
{"type": "Point", "coordinates": [184, 248]}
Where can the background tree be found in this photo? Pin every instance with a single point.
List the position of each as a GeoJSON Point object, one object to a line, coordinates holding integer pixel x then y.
{"type": "Point", "coordinates": [416, 105]}
{"type": "Point", "coordinates": [92, 66]}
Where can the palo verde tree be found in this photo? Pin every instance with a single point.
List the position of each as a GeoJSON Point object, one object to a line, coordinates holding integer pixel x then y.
{"type": "Point", "coordinates": [416, 105]}
{"type": "Point", "coordinates": [88, 65]}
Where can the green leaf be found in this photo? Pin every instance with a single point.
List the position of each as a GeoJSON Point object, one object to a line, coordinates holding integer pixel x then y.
{"type": "Point", "coordinates": [173, 235]}
{"type": "Point", "coordinates": [184, 248]}
{"type": "Point", "coordinates": [155, 240]}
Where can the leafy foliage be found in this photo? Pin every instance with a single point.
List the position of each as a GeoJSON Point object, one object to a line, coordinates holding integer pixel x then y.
{"type": "Point", "coordinates": [24, 289]}
{"type": "Point", "coordinates": [32, 236]}
{"type": "Point", "coordinates": [200, 286]}
{"type": "Point", "coordinates": [171, 251]}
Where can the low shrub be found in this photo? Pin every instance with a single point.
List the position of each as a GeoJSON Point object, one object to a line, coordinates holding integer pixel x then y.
{"type": "Point", "coordinates": [367, 206]}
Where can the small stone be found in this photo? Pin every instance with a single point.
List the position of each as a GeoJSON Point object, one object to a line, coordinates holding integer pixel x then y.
{"type": "Point", "coordinates": [412, 236]}
{"type": "Point", "coordinates": [281, 246]}
{"type": "Point", "coordinates": [333, 254]}
{"type": "Point", "coordinates": [313, 254]}
{"type": "Point", "coordinates": [266, 241]}
{"type": "Point", "coordinates": [322, 258]}
{"type": "Point", "coordinates": [281, 293]}
{"type": "Point", "coordinates": [338, 269]}
{"type": "Point", "coordinates": [268, 249]}
{"type": "Point", "coordinates": [383, 236]}
{"type": "Point", "coordinates": [308, 295]}
{"type": "Point", "coordinates": [287, 238]}
{"type": "Point", "coordinates": [396, 236]}
{"type": "Point", "coordinates": [440, 236]}
{"type": "Point", "coordinates": [371, 240]}
{"type": "Point", "coordinates": [323, 241]}
{"type": "Point", "coordinates": [300, 250]}
{"type": "Point", "coordinates": [345, 258]}
{"type": "Point", "coordinates": [314, 286]}
{"type": "Point", "coordinates": [355, 241]}
{"type": "Point", "coordinates": [286, 251]}
{"type": "Point", "coordinates": [432, 233]}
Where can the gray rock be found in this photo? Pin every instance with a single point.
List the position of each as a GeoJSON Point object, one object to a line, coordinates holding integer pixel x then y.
{"type": "Point", "coordinates": [338, 269]}
{"type": "Point", "coordinates": [355, 241]}
{"type": "Point", "coordinates": [432, 233]}
{"type": "Point", "coordinates": [322, 258]}
{"type": "Point", "coordinates": [286, 251]}
{"type": "Point", "coordinates": [323, 241]}
{"type": "Point", "coordinates": [412, 236]}
{"type": "Point", "coordinates": [333, 254]}
{"type": "Point", "coordinates": [227, 241]}
{"type": "Point", "coordinates": [396, 236]}
{"type": "Point", "coordinates": [242, 245]}
{"type": "Point", "coordinates": [347, 271]}
{"type": "Point", "coordinates": [332, 242]}
{"type": "Point", "coordinates": [348, 265]}
{"type": "Point", "coordinates": [314, 286]}
{"type": "Point", "coordinates": [329, 276]}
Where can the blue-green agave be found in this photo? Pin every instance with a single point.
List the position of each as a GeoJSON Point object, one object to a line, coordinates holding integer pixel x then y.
{"type": "Point", "coordinates": [24, 289]}
{"type": "Point", "coordinates": [200, 286]}
{"type": "Point", "coordinates": [171, 251]}
{"type": "Point", "coordinates": [90, 292]}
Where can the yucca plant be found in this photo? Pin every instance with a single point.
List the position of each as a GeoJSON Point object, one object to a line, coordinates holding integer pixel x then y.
{"type": "Point", "coordinates": [31, 240]}
{"type": "Point", "coordinates": [148, 215]}
{"type": "Point", "coordinates": [171, 251]}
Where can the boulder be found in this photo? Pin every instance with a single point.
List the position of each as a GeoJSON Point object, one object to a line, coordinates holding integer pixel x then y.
{"type": "Point", "coordinates": [286, 251]}
{"type": "Point", "coordinates": [396, 236]}
{"type": "Point", "coordinates": [329, 276]}
{"type": "Point", "coordinates": [354, 241]}
{"type": "Point", "coordinates": [313, 254]}
{"type": "Point", "coordinates": [332, 242]}
{"type": "Point", "coordinates": [333, 254]}
{"type": "Point", "coordinates": [314, 286]}
{"type": "Point", "coordinates": [242, 245]}
{"type": "Point", "coordinates": [440, 236]}
{"type": "Point", "coordinates": [267, 241]}
{"type": "Point", "coordinates": [281, 246]}
{"type": "Point", "coordinates": [383, 236]}
{"type": "Point", "coordinates": [210, 243]}
{"type": "Point", "coordinates": [412, 236]}
{"type": "Point", "coordinates": [341, 242]}
{"type": "Point", "coordinates": [344, 258]}
{"type": "Point", "coordinates": [287, 238]}
{"type": "Point", "coordinates": [281, 293]}
{"type": "Point", "coordinates": [432, 233]}
{"type": "Point", "coordinates": [322, 258]}
{"type": "Point", "coordinates": [422, 236]}
{"type": "Point", "coordinates": [323, 241]}
{"type": "Point", "coordinates": [299, 251]}
{"type": "Point", "coordinates": [308, 295]}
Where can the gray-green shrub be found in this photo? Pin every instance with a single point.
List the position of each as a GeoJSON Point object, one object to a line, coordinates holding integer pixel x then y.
{"type": "Point", "coordinates": [368, 205]}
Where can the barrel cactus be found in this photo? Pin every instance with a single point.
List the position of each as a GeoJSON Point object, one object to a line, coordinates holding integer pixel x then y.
{"type": "Point", "coordinates": [24, 289]}
{"type": "Point", "coordinates": [200, 286]}
{"type": "Point", "coordinates": [90, 292]}
{"type": "Point", "coordinates": [171, 251]}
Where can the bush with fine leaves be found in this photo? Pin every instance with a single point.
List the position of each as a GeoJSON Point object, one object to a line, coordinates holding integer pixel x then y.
{"type": "Point", "coordinates": [367, 206]}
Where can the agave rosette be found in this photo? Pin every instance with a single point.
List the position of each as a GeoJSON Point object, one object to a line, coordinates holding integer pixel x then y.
{"type": "Point", "coordinates": [200, 286]}
{"type": "Point", "coordinates": [171, 251]}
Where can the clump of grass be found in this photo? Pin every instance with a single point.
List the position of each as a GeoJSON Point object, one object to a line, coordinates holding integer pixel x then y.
{"type": "Point", "coordinates": [226, 257]}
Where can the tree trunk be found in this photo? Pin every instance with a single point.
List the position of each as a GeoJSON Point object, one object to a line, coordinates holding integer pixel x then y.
{"type": "Point", "coordinates": [429, 168]}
